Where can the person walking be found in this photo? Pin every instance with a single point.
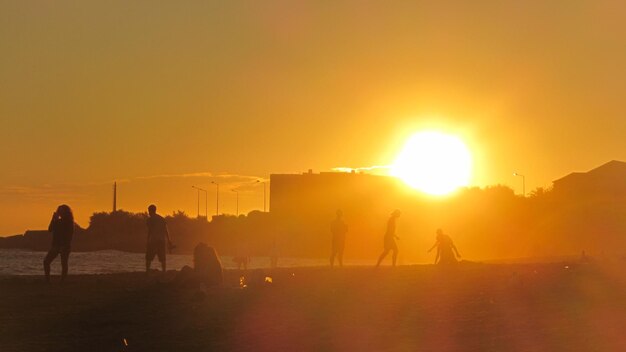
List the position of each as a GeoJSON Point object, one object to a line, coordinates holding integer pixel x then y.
{"type": "Point", "coordinates": [390, 239]}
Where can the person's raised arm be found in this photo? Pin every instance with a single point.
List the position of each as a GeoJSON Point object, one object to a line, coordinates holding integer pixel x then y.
{"type": "Point", "coordinates": [52, 221]}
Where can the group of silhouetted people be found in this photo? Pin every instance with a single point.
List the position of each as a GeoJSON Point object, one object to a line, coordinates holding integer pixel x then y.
{"type": "Point", "coordinates": [207, 266]}
{"type": "Point", "coordinates": [446, 249]}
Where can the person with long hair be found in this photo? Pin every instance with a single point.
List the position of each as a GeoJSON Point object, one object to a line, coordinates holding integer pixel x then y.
{"type": "Point", "coordinates": [207, 269]}
{"type": "Point", "coordinates": [207, 265]}
{"type": "Point", "coordinates": [62, 228]}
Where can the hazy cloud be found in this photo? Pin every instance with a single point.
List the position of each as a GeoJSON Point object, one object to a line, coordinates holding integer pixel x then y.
{"type": "Point", "coordinates": [78, 190]}
{"type": "Point", "coordinates": [376, 169]}
{"type": "Point", "coordinates": [41, 192]}
{"type": "Point", "coordinates": [194, 174]}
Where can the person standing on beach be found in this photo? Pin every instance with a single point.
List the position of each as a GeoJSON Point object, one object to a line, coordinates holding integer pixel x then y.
{"type": "Point", "coordinates": [445, 247]}
{"type": "Point", "coordinates": [62, 228]}
{"type": "Point", "coordinates": [339, 229]}
{"type": "Point", "coordinates": [274, 255]}
{"type": "Point", "coordinates": [157, 237]}
{"type": "Point", "coordinates": [390, 239]}
{"type": "Point", "coordinates": [242, 254]}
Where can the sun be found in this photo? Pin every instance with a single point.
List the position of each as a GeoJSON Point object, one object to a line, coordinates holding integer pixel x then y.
{"type": "Point", "coordinates": [434, 163]}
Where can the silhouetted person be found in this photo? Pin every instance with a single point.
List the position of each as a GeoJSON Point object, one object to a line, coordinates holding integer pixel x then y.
{"type": "Point", "coordinates": [445, 248]}
{"type": "Point", "coordinates": [339, 229]}
{"type": "Point", "coordinates": [207, 269]}
{"type": "Point", "coordinates": [158, 238]}
{"type": "Point", "coordinates": [242, 256]}
{"type": "Point", "coordinates": [62, 228]}
{"type": "Point", "coordinates": [584, 258]}
{"type": "Point", "coordinates": [274, 255]}
{"type": "Point", "coordinates": [390, 239]}
{"type": "Point", "coordinates": [207, 265]}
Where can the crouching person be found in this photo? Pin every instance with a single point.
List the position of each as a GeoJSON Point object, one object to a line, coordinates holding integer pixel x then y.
{"type": "Point", "coordinates": [207, 269]}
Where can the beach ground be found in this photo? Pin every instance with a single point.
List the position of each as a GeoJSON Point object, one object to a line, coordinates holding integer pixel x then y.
{"type": "Point", "coordinates": [476, 307]}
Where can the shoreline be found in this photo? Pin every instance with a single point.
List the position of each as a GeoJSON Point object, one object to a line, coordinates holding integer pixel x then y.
{"type": "Point", "coordinates": [478, 307]}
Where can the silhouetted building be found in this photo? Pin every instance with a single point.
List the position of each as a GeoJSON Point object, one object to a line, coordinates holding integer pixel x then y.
{"type": "Point", "coordinates": [323, 193]}
{"type": "Point", "coordinates": [303, 205]}
{"type": "Point", "coordinates": [606, 182]}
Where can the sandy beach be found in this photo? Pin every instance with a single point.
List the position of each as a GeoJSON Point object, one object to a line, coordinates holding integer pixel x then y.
{"type": "Point", "coordinates": [478, 307]}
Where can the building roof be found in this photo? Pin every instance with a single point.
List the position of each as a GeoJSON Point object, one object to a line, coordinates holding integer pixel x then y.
{"type": "Point", "coordinates": [573, 175]}
{"type": "Point", "coordinates": [612, 167]}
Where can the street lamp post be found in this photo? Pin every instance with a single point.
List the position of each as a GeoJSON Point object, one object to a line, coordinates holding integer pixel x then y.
{"type": "Point", "coordinates": [237, 192]}
{"type": "Point", "coordinates": [217, 197]}
{"type": "Point", "coordinates": [206, 201]}
{"type": "Point", "coordinates": [523, 183]}
{"type": "Point", "coordinates": [264, 194]}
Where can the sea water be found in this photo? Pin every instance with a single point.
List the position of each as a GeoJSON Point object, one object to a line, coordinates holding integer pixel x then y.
{"type": "Point", "coordinates": [25, 262]}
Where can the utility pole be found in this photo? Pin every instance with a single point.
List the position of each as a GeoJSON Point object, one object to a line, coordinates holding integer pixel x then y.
{"type": "Point", "coordinates": [114, 197]}
{"type": "Point", "coordinates": [217, 197]}
{"type": "Point", "coordinates": [523, 183]}
{"type": "Point", "coordinates": [237, 192]}
{"type": "Point", "coordinates": [206, 197]}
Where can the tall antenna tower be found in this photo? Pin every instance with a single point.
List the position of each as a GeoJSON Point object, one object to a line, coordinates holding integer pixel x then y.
{"type": "Point", "coordinates": [114, 197]}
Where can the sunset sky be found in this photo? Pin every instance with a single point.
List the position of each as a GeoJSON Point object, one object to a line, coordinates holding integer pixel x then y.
{"type": "Point", "coordinates": [160, 95]}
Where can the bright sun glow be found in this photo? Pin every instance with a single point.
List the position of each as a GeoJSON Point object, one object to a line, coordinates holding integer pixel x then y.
{"type": "Point", "coordinates": [434, 163]}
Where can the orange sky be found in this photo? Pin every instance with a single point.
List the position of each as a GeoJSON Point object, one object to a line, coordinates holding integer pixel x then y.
{"type": "Point", "coordinates": [159, 95]}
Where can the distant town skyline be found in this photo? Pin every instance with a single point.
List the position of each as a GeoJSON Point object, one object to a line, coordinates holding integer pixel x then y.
{"type": "Point", "coordinates": [161, 96]}
{"type": "Point", "coordinates": [251, 194]}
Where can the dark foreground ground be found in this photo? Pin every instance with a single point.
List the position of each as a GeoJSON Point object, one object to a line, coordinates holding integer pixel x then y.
{"type": "Point", "coordinates": [478, 307]}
